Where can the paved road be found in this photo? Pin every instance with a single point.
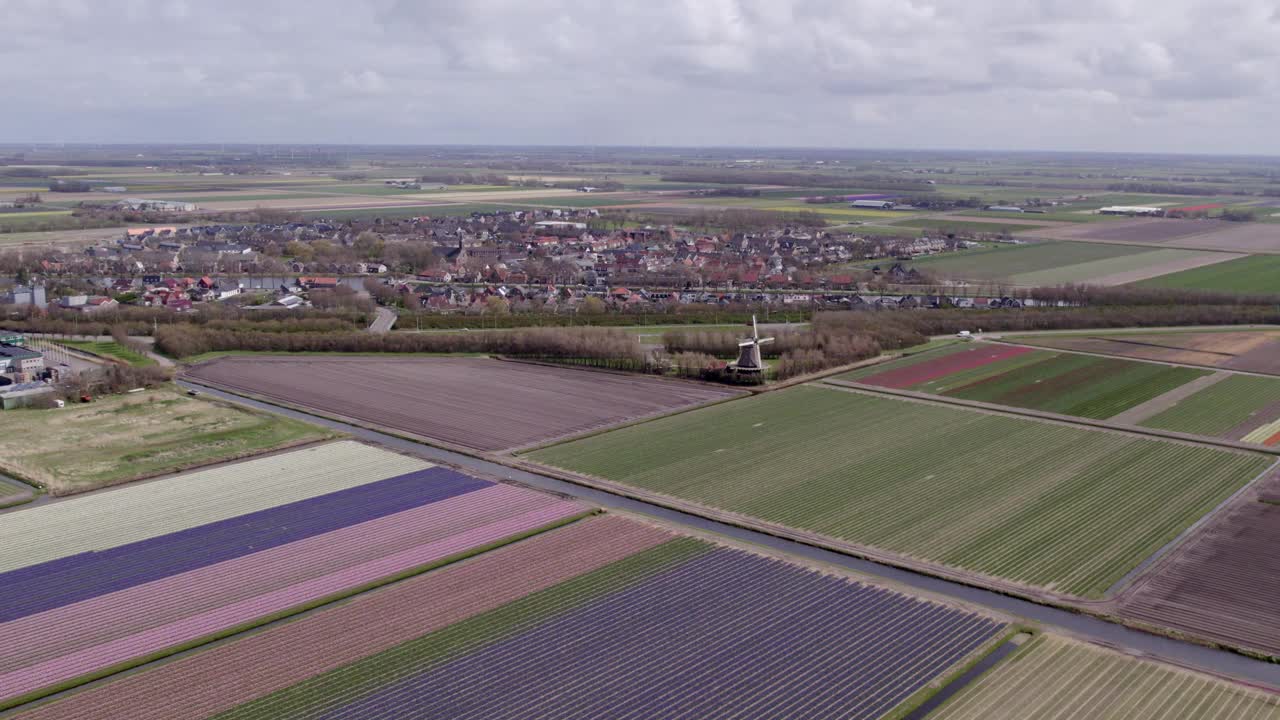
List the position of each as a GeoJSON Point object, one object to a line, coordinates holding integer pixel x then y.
{"type": "Point", "coordinates": [1082, 626]}
{"type": "Point", "coordinates": [386, 318]}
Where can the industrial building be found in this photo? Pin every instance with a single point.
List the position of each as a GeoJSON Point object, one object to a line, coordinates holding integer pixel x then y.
{"type": "Point", "coordinates": [20, 364]}
{"type": "Point", "coordinates": [872, 204]}
{"type": "Point", "coordinates": [25, 296]}
{"type": "Point", "coordinates": [1005, 208]}
{"type": "Point", "coordinates": [1132, 210]}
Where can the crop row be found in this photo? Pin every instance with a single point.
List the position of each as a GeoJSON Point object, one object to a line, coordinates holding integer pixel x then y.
{"type": "Point", "coordinates": [1221, 407]}
{"type": "Point", "coordinates": [107, 610]}
{"type": "Point", "coordinates": [1044, 504]}
{"type": "Point", "coordinates": [727, 634]}
{"type": "Point", "coordinates": [1221, 585]}
{"type": "Point", "coordinates": [595, 555]}
{"type": "Point", "coordinates": [91, 523]}
{"type": "Point", "coordinates": [1062, 679]}
{"type": "Point", "coordinates": [38, 588]}
{"type": "Point", "coordinates": [603, 618]}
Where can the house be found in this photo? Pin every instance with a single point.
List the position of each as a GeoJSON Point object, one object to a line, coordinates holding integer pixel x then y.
{"type": "Point", "coordinates": [98, 303]}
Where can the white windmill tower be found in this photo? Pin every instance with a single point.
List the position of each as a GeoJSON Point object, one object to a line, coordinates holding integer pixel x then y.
{"type": "Point", "coordinates": [749, 360]}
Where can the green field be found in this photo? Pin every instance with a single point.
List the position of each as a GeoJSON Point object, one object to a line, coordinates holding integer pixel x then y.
{"type": "Point", "coordinates": [110, 349]}
{"type": "Point", "coordinates": [1045, 263]}
{"type": "Point", "coordinates": [1060, 679]}
{"type": "Point", "coordinates": [414, 211]}
{"type": "Point", "coordinates": [1252, 274]}
{"type": "Point", "coordinates": [1042, 504]}
{"type": "Point", "coordinates": [943, 223]}
{"type": "Point", "coordinates": [122, 437]}
{"type": "Point", "coordinates": [1066, 383]}
{"type": "Point", "coordinates": [1220, 407]}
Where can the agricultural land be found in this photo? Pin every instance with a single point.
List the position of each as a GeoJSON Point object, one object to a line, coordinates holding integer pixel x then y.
{"type": "Point", "coordinates": [123, 437]}
{"type": "Point", "coordinates": [1228, 348]}
{"type": "Point", "coordinates": [600, 618]}
{"type": "Point", "coordinates": [1042, 505]}
{"type": "Point", "coordinates": [1220, 585]}
{"type": "Point", "coordinates": [476, 403]}
{"type": "Point", "coordinates": [158, 569]}
{"type": "Point", "coordinates": [1063, 383]}
{"type": "Point", "coordinates": [1053, 677]}
{"type": "Point", "coordinates": [1251, 274]}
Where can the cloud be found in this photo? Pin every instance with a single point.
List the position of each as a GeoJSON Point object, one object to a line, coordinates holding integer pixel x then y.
{"type": "Point", "coordinates": [1085, 74]}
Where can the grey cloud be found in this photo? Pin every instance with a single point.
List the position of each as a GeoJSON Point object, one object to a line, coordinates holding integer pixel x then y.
{"type": "Point", "coordinates": [1086, 74]}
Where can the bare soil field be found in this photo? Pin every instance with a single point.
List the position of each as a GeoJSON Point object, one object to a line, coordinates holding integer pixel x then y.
{"type": "Point", "coordinates": [1221, 584]}
{"type": "Point", "coordinates": [1173, 233]}
{"type": "Point", "coordinates": [476, 403]}
{"type": "Point", "coordinates": [1250, 351]}
{"type": "Point", "coordinates": [1138, 230]}
{"type": "Point", "coordinates": [1002, 220]}
{"type": "Point", "coordinates": [1165, 268]}
{"type": "Point", "coordinates": [1240, 237]}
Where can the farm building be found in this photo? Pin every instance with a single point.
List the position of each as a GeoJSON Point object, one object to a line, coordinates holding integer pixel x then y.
{"type": "Point", "coordinates": [1131, 210]}
{"type": "Point", "coordinates": [872, 204]}
{"type": "Point", "coordinates": [1004, 208]}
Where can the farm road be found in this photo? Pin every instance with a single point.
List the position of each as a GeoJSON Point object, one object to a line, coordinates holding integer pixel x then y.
{"type": "Point", "coordinates": [1160, 403]}
{"type": "Point", "coordinates": [1177, 652]}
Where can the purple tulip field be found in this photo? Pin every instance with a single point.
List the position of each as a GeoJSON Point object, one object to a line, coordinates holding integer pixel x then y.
{"type": "Point", "coordinates": [602, 618]}
{"type": "Point", "coordinates": [72, 618]}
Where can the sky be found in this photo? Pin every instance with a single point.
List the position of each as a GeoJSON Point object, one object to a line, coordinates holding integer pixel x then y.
{"type": "Point", "coordinates": [1098, 75]}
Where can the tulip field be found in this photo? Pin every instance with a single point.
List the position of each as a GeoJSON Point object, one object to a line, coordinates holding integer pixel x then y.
{"type": "Point", "coordinates": [1046, 505]}
{"type": "Point", "coordinates": [96, 584]}
{"type": "Point", "coordinates": [604, 617]}
{"type": "Point", "coordinates": [1064, 383]}
{"type": "Point", "coordinates": [1053, 677]}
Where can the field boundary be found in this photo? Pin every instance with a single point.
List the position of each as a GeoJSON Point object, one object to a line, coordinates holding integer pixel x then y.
{"type": "Point", "coordinates": [1191, 533]}
{"type": "Point", "coordinates": [1055, 418]}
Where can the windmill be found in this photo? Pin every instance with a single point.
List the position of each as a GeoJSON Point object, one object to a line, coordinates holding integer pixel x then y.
{"type": "Point", "coordinates": [749, 360]}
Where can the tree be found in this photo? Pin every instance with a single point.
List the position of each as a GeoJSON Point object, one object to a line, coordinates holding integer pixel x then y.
{"type": "Point", "coordinates": [592, 306]}
{"type": "Point", "coordinates": [497, 305]}
{"type": "Point", "coordinates": [369, 245]}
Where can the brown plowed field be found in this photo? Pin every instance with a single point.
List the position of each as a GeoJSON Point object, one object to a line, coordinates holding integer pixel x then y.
{"type": "Point", "coordinates": [477, 403]}
{"type": "Point", "coordinates": [1223, 583]}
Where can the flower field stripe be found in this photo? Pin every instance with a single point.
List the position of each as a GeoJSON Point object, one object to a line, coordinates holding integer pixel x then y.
{"type": "Point", "coordinates": [91, 523]}
{"type": "Point", "coordinates": [725, 634]}
{"type": "Point", "coordinates": [357, 679]}
{"type": "Point", "coordinates": [37, 588]}
{"type": "Point", "coordinates": [975, 357]}
{"type": "Point", "coordinates": [220, 678]}
{"type": "Point", "coordinates": [34, 638]}
{"type": "Point", "coordinates": [207, 623]}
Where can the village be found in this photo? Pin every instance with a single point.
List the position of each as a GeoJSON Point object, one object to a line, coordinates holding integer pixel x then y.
{"type": "Point", "coordinates": [546, 260]}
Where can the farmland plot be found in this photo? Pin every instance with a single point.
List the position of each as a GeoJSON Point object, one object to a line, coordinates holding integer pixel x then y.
{"type": "Point", "coordinates": [1231, 408]}
{"type": "Point", "coordinates": [1041, 504]}
{"type": "Point", "coordinates": [603, 618]}
{"type": "Point", "coordinates": [1249, 350]}
{"type": "Point", "coordinates": [1053, 677]}
{"type": "Point", "coordinates": [1069, 384]}
{"type": "Point", "coordinates": [65, 620]}
{"type": "Point", "coordinates": [477, 403]}
{"type": "Point", "coordinates": [1222, 584]}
